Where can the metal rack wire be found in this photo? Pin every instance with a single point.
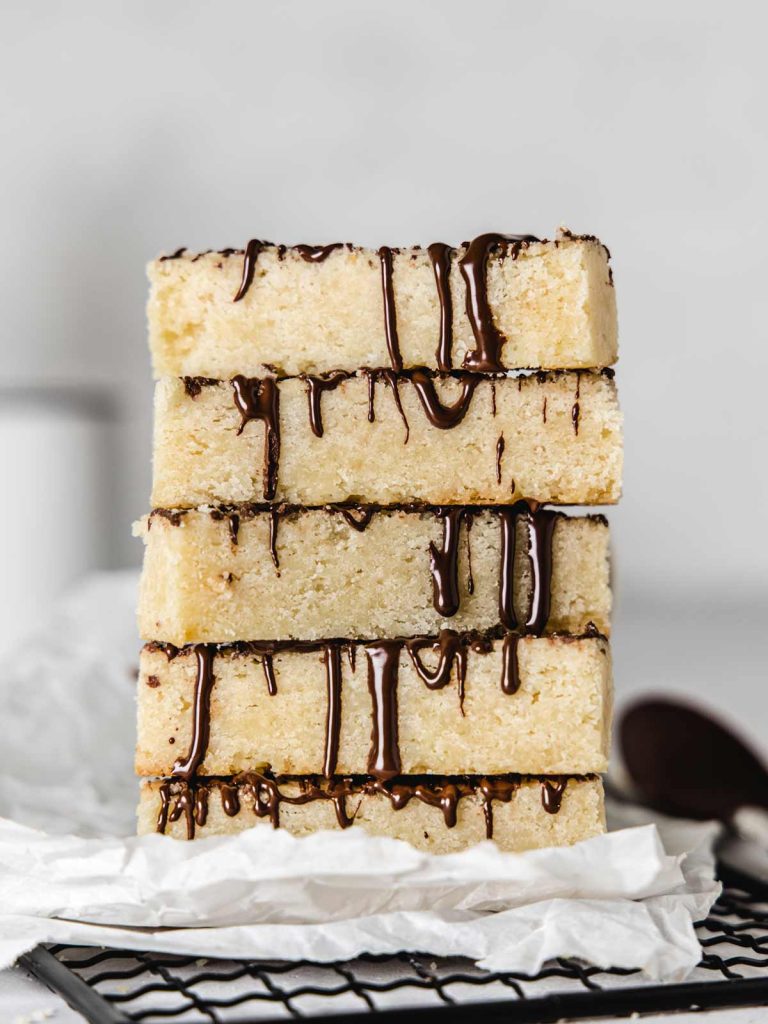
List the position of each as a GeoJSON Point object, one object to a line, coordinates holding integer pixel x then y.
{"type": "Point", "coordinates": [114, 987]}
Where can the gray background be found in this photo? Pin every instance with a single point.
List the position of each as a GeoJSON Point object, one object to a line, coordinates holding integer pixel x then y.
{"type": "Point", "coordinates": [131, 129]}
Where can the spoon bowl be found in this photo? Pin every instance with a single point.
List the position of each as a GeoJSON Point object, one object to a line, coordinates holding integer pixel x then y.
{"type": "Point", "coordinates": [683, 762]}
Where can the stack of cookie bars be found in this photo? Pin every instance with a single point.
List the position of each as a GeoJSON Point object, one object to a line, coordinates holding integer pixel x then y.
{"type": "Point", "coordinates": [362, 603]}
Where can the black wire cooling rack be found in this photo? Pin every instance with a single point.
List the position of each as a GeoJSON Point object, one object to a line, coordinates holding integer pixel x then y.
{"type": "Point", "coordinates": [110, 986]}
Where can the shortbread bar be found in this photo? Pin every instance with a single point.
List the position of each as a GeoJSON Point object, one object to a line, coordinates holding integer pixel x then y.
{"type": "Point", "coordinates": [440, 816]}
{"type": "Point", "coordinates": [388, 439]}
{"type": "Point", "coordinates": [462, 704]}
{"type": "Point", "coordinates": [299, 574]}
{"type": "Point", "coordinates": [499, 304]}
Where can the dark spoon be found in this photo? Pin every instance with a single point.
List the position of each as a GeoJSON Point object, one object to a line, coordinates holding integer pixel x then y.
{"type": "Point", "coordinates": [684, 763]}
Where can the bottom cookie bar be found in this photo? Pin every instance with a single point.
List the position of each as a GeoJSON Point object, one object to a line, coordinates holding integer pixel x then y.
{"type": "Point", "coordinates": [434, 813]}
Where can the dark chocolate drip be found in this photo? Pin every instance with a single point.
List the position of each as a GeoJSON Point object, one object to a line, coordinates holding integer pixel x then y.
{"type": "Point", "coordinates": [541, 525]}
{"type": "Point", "coordinates": [200, 806]}
{"type": "Point", "coordinates": [383, 663]}
{"type": "Point", "coordinates": [493, 398]}
{"type": "Point", "coordinates": [371, 396]}
{"type": "Point", "coordinates": [444, 417]}
{"type": "Point", "coordinates": [184, 805]}
{"type": "Point", "coordinates": [499, 453]}
{"type": "Point", "coordinates": [552, 794]}
{"type": "Point", "coordinates": [317, 253]}
{"type": "Point", "coordinates": [508, 522]}
{"type": "Point", "coordinates": [544, 410]}
{"type": "Point", "coordinates": [358, 517]}
{"type": "Point", "coordinates": [451, 649]}
{"type": "Point", "coordinates": [259, 399]}
{"type": "Point", "coordinates": [444, 564]}
{"type": "Point", "coordinates": [274, 520]}
{"type": "Point", "coordinates": [441, 792]}
{"type": "Point", "coordinates": [250, 256]}
{"type": "Point", "coordinates": [165, 800]}
{"type": "Point", "coordinates": [201, 722]}
{"type": "Point", "coordinates": [352, 655]}
{"type": "Point", "coordinates": [171, 515]}
{"type": "Point", "coordinates": [478, 640]}
{"type": "Point", "coordinates": [489, 340]}
{"type": "Point", "coordinates": [446, 797]}
{"type": "Point", "coordinates": [233, 521]}
{"type": "Point", "coordinates": [510, 671]}
{"type": "Point", "coordinates": [230, 800]}
{"type": "Point", "coordinates": [332, 657]}
{"type": "Point", "coordinates": [469, 519]}
{"type": "Point", "coordinates": [495, 789]}
{"type": "Point", "coordinates": [267, 663]}
{"type": "Point", "coordinates": [338, 793]}
{"type": "Point", "coordinates": [316, 385]}
{"type": "Point", "coordinates": [234, 526]}
{"type": "Point", "coordinates": [390, 313]}
{"type": "Point", "coordinates": [391, 380]}
{"type": "Point", "coordinates": [263, 793]}
{"type": "Point", "coordinates": [194, 385]}
{"type": "Point", "coordinates": [173, 255]}
{"type": "Point", "coordinates": [440, 255]}
{"type": "Point", "coordinates": [576, 407]}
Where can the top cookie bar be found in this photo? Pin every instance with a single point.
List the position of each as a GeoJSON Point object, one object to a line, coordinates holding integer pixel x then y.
{"type": "Point", "coordinates": [499, 302]}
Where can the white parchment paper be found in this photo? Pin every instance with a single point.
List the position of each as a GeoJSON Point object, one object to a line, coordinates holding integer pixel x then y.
{"type": "Point", "coordinates": [70, 871]}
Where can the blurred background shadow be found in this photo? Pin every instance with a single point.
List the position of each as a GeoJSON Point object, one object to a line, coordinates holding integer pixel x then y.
{"type": "Point", "coordinates": [133, 129]}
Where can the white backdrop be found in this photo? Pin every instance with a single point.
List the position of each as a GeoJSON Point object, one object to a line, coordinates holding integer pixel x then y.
{"type": "Point", "coordinates": [134, 128]}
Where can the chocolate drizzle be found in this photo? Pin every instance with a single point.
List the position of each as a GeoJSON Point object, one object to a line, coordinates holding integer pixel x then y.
{"type": "Point", "coordinates": [332, 658]}
{"type": "Point", "coordinates": [486, 358]}
{"type": "Point", "coordinates": [552, 794]}
{"type": "Point", "coordinates": [383, 664]}
{"type": "Point", "coordinates": [317, 253]}
{"type": "Point", "coordinates": [451, 649]}
{"type": "Point", "coordinates": [173, 255]}
{"type": "Point", "coordinates": [390, 313]}
{"type": "Point", "coordinates": [540, 525]}
{"type": "Point", "coordinates": [274, 520]}
{"type": "Point", "coordinates": [358, 517]}
{"type": "Point", "coordinates": [263, 793]}
{"type": "Point", "coordinates": [390, 378]}
{"type": "Point", "coordinates": [440, 256]}
{"type": "Point", "coordinates": [193, 386]}
{"type": "Point", "coordinates": [444, 417]}
{"type": "Point", "coordinates": [259, 399]}
{"type": "Point", "coordinates": [499, 454]}
{"type": "Point", "coordinates": [267, 664]}
{"type": "Point", "coordinates": [469, 520]}
{"type": "Point", "coordinates": [444, 564]}
{"type": "Point", "coordinates": [495, 789]}
{"type": "Point", "coordinates": [201, 723]}
{"type": "Point", "coordinates": [316, 385]}
{"type": "Point", "coordinates": [510, 671]}
{"type": "Point", "coordinates": [250, 257]}
{"type": "Point", "coordinates": [576, 407]}
{"type": "Point", "coordinates": [233, 520]}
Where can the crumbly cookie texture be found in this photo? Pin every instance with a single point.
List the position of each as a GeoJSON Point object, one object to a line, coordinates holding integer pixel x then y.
{"type": "Point", "coordinates": [557, 721]}
{"type": "Point", "coordinates": [551, 438]}
{"type": "Point", "coordinates": [198, 585]}
{"type": "Point", "coordinates": [553, 302]}
{"type": "Point", "coordinates": [523, 823]}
